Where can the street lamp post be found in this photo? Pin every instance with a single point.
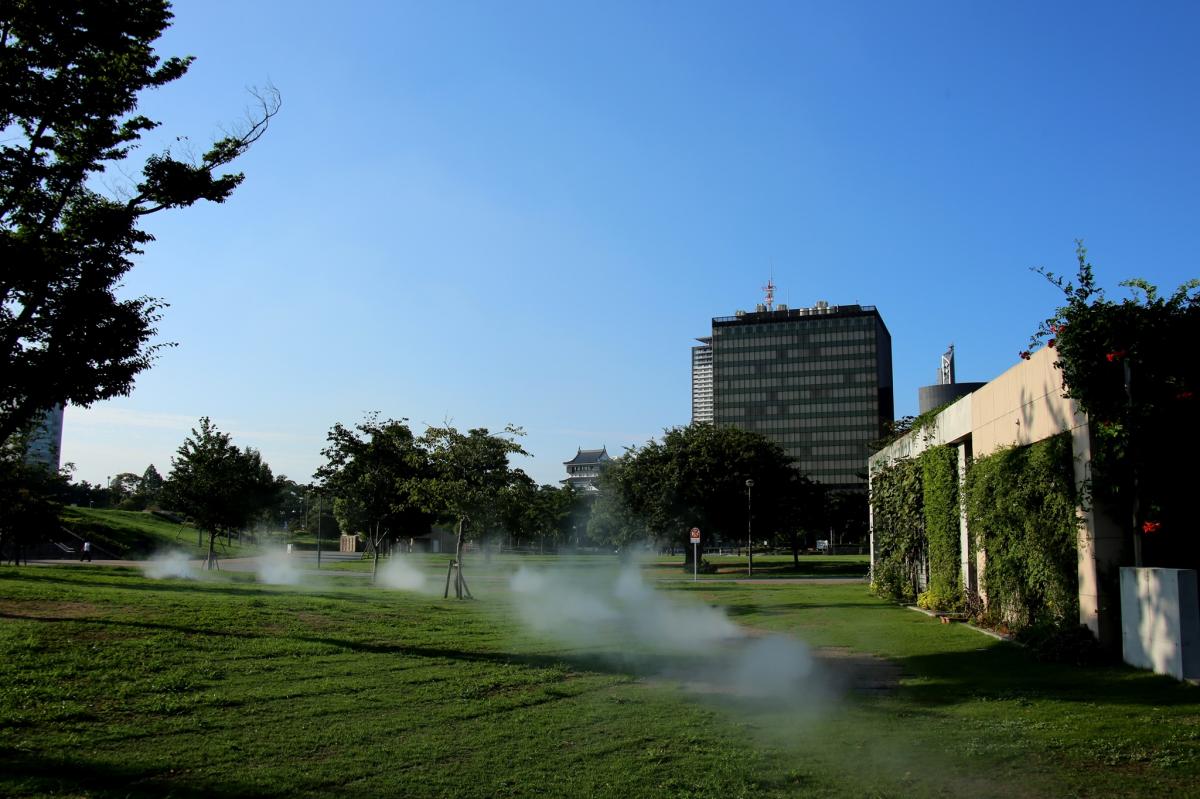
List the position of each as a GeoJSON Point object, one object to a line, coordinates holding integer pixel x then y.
{"type": "Point", "coordinates": [319, 512]}
{"type": "Point", "coordinates": [749, 531]}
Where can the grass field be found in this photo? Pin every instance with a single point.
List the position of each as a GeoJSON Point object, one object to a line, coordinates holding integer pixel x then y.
{"type": "Point", "coordinates": [138, 534]}
{"type": "Point", "coordinates": [115, 685]}
{"type": "Point", "coordinates": [768, 566]}
{"type": "Point", "coordinates": [729, 567]}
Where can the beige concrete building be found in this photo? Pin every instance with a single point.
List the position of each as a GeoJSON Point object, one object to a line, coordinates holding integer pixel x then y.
{"type": "Point", "coordinates": [1022, 406]}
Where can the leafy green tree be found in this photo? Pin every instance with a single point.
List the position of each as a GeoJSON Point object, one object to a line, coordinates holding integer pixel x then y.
{"type": "Point", "coordinates": [375, 472]}
{"type": "Point", "coordinates": [1127, 365]}
{"type": "Point", "coordinates": [151, 485]}
{"type": "Point", "coordinates": [518, 508]}
{"type": "Point", "coordinates": [848, 517]}
{"type": "Point", "coordinates": [696, 477]}
{"type": "Point", "coordinates": [218, 486]}
{"type": "Point", "coordinates": [532, 512]}
{"type": "Point", "coordinates": [554, 509]}
{"type": "Point", "coordinates": [28, 503]}
{"type": "Point", "coordinates": [124, 486]}
{"type": "Point", "coordinates": [288, 512]}
{"type": "Point", "coordinates": [803, 508]}
{"type": "Point", "coordinates": [468, 475]}
{"type": "Point", "coordinates": [71, 73]}
{"type": "Point", "coordinates": [611, 521]}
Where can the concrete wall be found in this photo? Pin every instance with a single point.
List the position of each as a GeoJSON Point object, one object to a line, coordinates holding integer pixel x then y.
{"type": "Point", "coordinates": [950, 426]}
{"type": "Point", "coordinates": [1022, 406]}
{"type": "Point", "coordinates": [1162, 621]}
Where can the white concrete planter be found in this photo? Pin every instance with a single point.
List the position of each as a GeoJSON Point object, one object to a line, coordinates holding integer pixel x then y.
{"type": "Point", "coordinates": [1160, 621]}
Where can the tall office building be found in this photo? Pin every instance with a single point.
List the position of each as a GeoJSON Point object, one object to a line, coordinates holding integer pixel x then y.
{"type": "Point", "coordinates": [702, 381]}
{"type": "Point", "coordinates": [45, 441]}
{"type": "Point", "coordinates": [818, 381]}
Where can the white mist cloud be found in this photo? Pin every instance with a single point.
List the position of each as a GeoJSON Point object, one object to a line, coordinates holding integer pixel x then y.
{"type": "Point", "coordinates": [277, 568]}
{"type": "Point", "coordinates": [168, 564]}
{"type": "Point", "coordinates": [693, 643]}
{"type": "Point", "coordinates": [398, 573]}
{"type": "Point", "coordinates": [577, 607]}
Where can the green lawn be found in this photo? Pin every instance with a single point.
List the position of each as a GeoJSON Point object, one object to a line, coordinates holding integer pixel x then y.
{"type": "Point", "coordinates": [729, 567]}
{"type": "Point", "coordinates": [127, 534]}
{"type": "Point", "coordinates": [115, 685]}
{"type": "Point", "coordinates": [768, 566]}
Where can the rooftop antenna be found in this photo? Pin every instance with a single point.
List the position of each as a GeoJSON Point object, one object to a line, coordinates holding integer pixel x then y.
{"type": "Point", "coordinates": [770, 290]}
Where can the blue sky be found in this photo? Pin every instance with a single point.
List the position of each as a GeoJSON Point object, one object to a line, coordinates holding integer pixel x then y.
{"type": "Point", "coordinates": [524, 212]}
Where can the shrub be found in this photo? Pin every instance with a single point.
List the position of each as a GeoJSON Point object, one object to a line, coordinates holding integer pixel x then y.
{"type": "Point", "coordinates": [1063, 643]}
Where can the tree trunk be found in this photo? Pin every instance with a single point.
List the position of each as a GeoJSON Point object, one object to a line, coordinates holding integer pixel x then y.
{"type": "Point", "coordinates": [458, 549]}
{"type": "Point", "coordinates": [375, 541]}
{"type": "Point", "coordinates": [210, 560]}
{"type": "Point", "coordinates": [795, 538]}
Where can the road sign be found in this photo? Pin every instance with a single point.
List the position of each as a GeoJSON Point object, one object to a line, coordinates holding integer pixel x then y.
{"type": "Point", "coordinates": [695, 552]}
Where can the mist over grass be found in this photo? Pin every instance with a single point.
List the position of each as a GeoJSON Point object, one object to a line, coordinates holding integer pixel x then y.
{"type": "Point", "coordinates": [401, 574]}
{"type": "Point", "coordinates": [120, 684]}
{"type": "Point", "coordinates": [172, 563]}
{"type": "Point", "coordinates": [614, 614]}
{"type": "Point", "coordinates": [276, 567]}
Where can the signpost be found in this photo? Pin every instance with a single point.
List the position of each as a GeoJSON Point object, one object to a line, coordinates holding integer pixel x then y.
{"type": "Point", "coordinates": [695, 552]}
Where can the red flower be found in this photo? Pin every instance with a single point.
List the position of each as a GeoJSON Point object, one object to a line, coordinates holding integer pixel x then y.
{"type": "Point", "coordinates": [1056, 329]}
{"type": "Point", "coordinates": [1051, 343]}
{"type": "Point", "coordinates": [1182, 395]}
{"type": "Point", "coordinates": [1024, 355]}
{"type": "Point", "coordinates": [1151, 527]}
{"type": "Point", "coordinates": [1116, 355]}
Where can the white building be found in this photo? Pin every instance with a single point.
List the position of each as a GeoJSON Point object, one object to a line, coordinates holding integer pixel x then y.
{"type": "Point", "coordinates": [702, 381]}
{"type": "Point", "coordinates": [583, 471]}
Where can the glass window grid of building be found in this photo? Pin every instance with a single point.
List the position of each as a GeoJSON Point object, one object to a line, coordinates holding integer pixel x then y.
{"type": "Point", "coordinates": [819, 384]}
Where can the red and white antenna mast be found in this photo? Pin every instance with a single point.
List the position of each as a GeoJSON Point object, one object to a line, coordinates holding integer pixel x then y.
{"type": "Point", "coordinates": [770, 291]}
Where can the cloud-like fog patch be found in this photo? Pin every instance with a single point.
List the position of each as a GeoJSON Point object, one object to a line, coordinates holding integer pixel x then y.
{"type": "Point", "coordinates": [617, 615]}
{"type": "Point", "coordinates": [616, 607]}
{"type": "Point", "coordinates": [168, 564]}
{"type": "Point", "coordinates": [400, 574]}
{"type": "Point", "coordinates": [278, 568]}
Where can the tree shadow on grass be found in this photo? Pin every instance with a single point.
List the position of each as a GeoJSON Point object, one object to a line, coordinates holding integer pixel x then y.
{"type": "Point", "coordinates": [1010, 672]}
{"type": "Point", "coordinates": [771, 570]}
{"type": "Point", "coordinates": [623, 663]}
{"type": "Point", "coordinates": [736, 609]}
{"type": "Point", "coordinates": [33, 774]}
{"type": "Point", "coordinates": [231, 583]}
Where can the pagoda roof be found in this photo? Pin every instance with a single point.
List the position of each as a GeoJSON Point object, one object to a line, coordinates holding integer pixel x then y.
{"type": "Point", "coordinates": [589, 456]}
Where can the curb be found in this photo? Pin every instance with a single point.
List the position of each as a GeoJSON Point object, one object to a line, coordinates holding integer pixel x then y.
{"type": "Point", "coordinates": [990, 633]}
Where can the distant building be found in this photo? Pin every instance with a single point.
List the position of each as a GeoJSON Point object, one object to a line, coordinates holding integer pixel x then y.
{"type": "Point", "coordinates": [702, 381]}
{"type": "Point", "coordinates": [817, 381]}
{"type": "Point", "coordinates": [583, 471]}
{"type": "Point", "coordinates": [45, 442]}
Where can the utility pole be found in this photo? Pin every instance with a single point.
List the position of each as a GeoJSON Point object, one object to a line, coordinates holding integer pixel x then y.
{"type": "Point", "coordinates": [749, 531]}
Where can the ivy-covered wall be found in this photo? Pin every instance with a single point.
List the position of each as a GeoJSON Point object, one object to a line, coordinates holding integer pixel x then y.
{"type": "Point", "coordinates": [899, 530]}
{"type": "Point", "coordinates": [939, 480]}
{"type": "Point", "coordinates": [1021, 509]}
